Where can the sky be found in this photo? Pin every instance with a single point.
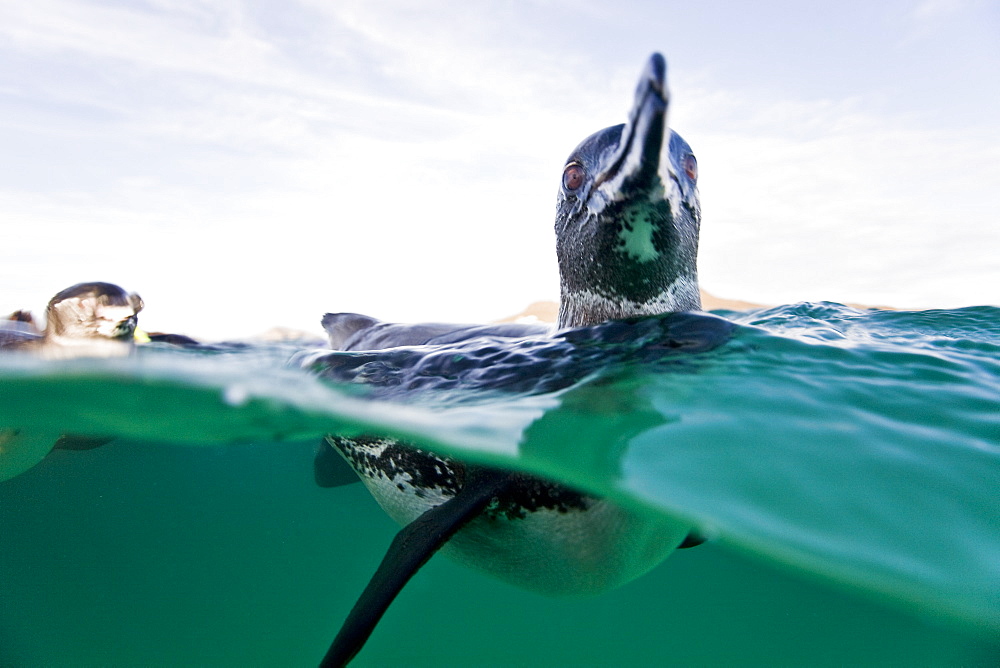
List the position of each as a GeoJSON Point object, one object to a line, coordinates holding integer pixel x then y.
{"type": "Point", "coordinates": [244, 165]}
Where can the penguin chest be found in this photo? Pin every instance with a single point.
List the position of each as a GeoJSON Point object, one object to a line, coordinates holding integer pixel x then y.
{"type": "Point", "coordinates": [405, 481]}
{"type": "Point", "coordinates": [538, 535]}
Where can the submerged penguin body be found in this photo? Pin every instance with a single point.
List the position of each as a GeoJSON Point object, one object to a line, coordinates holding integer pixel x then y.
{"type": "Point", "coordinates": [535, 534]}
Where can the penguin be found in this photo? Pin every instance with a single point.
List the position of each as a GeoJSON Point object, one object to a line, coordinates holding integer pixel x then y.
{"type": "Point", "coordinates": [84, 320]}
{"type": "Point", "coordinates": [627, 225]}
{"type": "Point", "coordinates": [18, 328]}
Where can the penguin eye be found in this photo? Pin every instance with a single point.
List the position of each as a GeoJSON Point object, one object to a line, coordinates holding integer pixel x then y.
{"type": "Point", "coordinates": [573, 176]}
{"type": "Point", "coordinates": [691, 167]}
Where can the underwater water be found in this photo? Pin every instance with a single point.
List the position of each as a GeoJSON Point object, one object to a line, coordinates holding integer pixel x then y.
{"type": "Point", "coordinates": [846, 465]}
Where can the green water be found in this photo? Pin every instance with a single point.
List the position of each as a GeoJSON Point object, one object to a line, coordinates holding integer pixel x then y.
{"type": "Point", "coordinates": [845, 463]}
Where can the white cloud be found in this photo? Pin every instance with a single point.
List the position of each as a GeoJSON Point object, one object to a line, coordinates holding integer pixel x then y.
{"type": "Point", "coordinates": [844, 205]}
{"type": "Point", "coordinates": [947, 19]}
{"type": "Point", "coordinates": [932, 10]}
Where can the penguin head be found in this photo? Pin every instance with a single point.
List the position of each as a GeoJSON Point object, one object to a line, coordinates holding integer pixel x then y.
{"type": "Point", "coordinates": [628, 216]}
{"type": "Point", "coordinates": [88, 311]}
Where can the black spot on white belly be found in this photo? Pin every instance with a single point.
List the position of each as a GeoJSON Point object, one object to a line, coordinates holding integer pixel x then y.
{"type": "Point", "coordinates": [419, 472]}
{"type": "Point", "coordinates": [375, 457]}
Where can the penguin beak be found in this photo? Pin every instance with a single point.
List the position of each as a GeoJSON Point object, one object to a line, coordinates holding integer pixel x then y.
{"type": "Point", "coordinates": [635, 163]}
{"type": "Point", "coordinates": [126, 328]}
{"type": "Point", "coordinates": [115, 322]}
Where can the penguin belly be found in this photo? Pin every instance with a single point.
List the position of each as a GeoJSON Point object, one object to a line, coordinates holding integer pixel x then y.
{"type": "Point", "coordinates": [540, 536]}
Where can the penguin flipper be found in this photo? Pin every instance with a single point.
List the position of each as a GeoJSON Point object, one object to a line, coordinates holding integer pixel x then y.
{"type": "Point", "coordinates": [410, 549]}
{"type": "Point", "coordinates": [693, 539]}
{"type": "Point", "coordinates": [330, 469]}
{"type": "Point", "coordinates": [74, 442]}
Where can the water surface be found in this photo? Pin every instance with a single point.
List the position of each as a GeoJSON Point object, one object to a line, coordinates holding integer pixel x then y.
{"type": "Point", "coordinates": [844, 462]}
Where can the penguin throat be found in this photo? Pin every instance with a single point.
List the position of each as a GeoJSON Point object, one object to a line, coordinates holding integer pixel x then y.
{"type": "Point", "coordinates": [55, 346]}
{"type": "Point", "coordinates": [582, 308]}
